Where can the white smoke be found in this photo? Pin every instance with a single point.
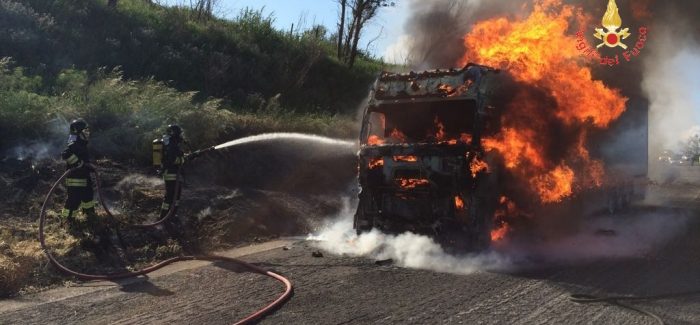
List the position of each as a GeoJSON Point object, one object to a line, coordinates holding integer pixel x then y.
{"type": "Point", "coordinates": [616, 236]}
{"type": "Point", "coordinates": [399, 51]}
{"type": "Point", "coordinates": [406, 250]}
{"type": "Point", "coordinates": [633, 236]}
{"type": "Point", "coordinates": [132, 180]}
{"type": "Point", "coordinates": [35, 151]}
{"type": "Point", "coordinates": [45, 149]}
{"type": "Point", "coordinates": [201, 215]}
{"type": "Point", "coordinates": [671, 83]}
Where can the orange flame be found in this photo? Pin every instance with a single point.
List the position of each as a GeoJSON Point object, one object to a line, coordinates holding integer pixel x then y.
{"type": "Point", "coordinates": [477, 165]}
{"type": "Point", "coordinates": [376, 162]}
{"type": "Point", "coordinates": [459, 204]}
{"type": "Point", "coordinates": [517, 146]}
{"type": "Point", "coordinates": [507, 208]}
{"type": "Point", "coordinates": [500, 232]}
{"type": "Point", "coordinates": [444, 89]}
{"type": "Point", "coordinates": [554, 185]}
{"type": "Point", "coordinates": [537, 51]}
{"type": "Point", "coordinates": [406, 158]}
{"type": "Point", "coordinates": [409, 183]}
{"type": "Point", "coordinates": [374, 140]}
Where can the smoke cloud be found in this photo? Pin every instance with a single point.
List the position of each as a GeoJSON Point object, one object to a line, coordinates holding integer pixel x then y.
{"type": "Point", "coordinates": [671, 84]}
{"type": "Point", "coordinates": [406, 250]}
{"type": "Point", "coordinates": [435, 30]}
{"type": "Point", "coordinates": [138, 180]}
{"type": "Point", "coordinates": [34, 151]}
{"type": "Point", "coordinates": [637, 235]}
{"type": "Point", "coordinates": [597, 238]}
{"type": "Point", "coordinates": [41, 150]}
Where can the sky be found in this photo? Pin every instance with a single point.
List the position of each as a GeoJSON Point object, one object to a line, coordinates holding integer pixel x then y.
{"type": "Point", "coordinates": [387, 27]}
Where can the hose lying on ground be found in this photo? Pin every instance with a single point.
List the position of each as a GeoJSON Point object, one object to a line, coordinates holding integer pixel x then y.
{"type": "Point", "coordinates": [115, 276]}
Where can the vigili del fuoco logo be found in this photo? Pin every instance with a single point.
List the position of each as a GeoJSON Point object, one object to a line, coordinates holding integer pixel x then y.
{"type": "Point", "coordinates": [613, 36]}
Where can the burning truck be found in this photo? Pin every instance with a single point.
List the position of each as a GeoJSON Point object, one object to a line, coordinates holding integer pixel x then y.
{"type": "Point", "coordinates": [457, 154]}
{"type": "Point", "coordinates": [422, 166]}
{"type": "Point", "coordinates": [435, 160]}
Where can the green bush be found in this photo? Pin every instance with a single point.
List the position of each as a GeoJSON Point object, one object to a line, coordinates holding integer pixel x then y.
{"type": "Point", "coordinates": [125, 115]}
{"type": "Point", "coordinates": [228, 59]}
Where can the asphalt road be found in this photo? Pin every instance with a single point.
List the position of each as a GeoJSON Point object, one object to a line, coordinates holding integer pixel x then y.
{"type": "Point", "coordinates": [355, 290]}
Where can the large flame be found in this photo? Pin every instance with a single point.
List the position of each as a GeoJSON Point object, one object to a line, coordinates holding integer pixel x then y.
{"type": "Point", "coordinates": [538, 53]}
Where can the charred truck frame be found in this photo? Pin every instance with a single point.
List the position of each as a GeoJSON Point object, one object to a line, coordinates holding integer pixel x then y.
{"type": "Point", "coordinates": [422, 167]}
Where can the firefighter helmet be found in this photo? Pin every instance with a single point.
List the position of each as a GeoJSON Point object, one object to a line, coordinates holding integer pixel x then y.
{"type": "Point", "coordinates": [77, 126]}
{"type": "Point", "coordinates": [174, 131]}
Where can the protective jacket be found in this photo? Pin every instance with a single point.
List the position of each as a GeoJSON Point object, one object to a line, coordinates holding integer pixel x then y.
{"type": "Point", "coordinates": [78, 182]}
{"type": "Point", "coordinates": [76, 154]}
{"type": "Point", "coordinates": [173, 158]}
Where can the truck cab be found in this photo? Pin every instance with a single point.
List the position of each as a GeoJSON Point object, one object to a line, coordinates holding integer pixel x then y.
{"type": "Point", "coordinates": [422, 167]}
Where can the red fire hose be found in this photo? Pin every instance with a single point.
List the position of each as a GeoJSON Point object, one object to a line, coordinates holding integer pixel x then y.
{"type": "Point", "coordinates": [114, 276]}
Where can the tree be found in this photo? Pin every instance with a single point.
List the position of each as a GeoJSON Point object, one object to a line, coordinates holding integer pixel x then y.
{"type": "Point", "coordinates": [112, 3]}
{"type": "Point", "coordinates": [204, 8]}
{"type": "Point", "coordinates": [341, 27]}
{"type": "Point", "coordinates": [362, 11]}
{"type": "Point", "coordinates": [691, 149]}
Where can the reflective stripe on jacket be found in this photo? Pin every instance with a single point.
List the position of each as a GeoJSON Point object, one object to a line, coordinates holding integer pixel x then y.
{"type": "Point", "coordinates": [76, 182]}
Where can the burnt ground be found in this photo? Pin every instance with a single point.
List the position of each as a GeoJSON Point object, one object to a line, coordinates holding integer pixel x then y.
{"type": "Point", "coordinates": [249, 194]}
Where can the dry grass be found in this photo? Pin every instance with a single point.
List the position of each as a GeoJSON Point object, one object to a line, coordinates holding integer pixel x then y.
{"type": "Point", "coordinates": [21, 256]}
{"type": "Point", "coordinates": [24, 268]}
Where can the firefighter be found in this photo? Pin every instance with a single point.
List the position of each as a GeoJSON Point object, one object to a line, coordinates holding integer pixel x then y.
{"type": "Point", "coordinates": [90, 229]}
{"type": "Point", "coordinates": [172, 160]}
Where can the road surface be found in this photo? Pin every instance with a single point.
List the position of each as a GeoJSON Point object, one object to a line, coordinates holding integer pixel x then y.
{"type": "Point", "coordinates": [355, 290]}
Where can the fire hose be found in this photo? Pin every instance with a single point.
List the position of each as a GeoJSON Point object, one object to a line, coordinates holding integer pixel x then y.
{"type": "Point", "coordinates": [115, 276]}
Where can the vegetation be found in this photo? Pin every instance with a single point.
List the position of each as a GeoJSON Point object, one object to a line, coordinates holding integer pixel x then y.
{"type": "Point", "coordinates": [232, 60]}
{"type": "Point", "coordinates": [125, 115]}
{"type": "Point", "coordinates": [352, 25]}
{"type": "Point", "coordinates": [691, 149]}
{"type": "Point", "coordinates": [132, 69]}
